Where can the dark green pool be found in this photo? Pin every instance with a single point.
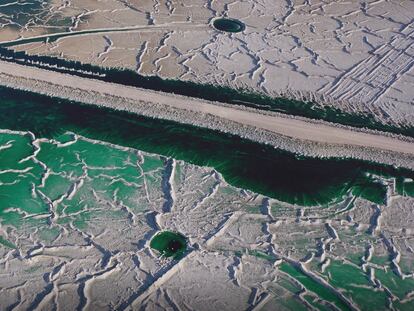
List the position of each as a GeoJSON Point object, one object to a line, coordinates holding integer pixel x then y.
{"type": "Point", "coordinates": [169, 244]}
{"type": "Point", "coordinates": [228, 25]}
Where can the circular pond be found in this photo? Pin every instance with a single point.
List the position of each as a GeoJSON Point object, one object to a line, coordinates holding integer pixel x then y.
{"type": "Point", "coordinates": [169, 244]}
{"type": "Point", "coordinates": [228, 25]}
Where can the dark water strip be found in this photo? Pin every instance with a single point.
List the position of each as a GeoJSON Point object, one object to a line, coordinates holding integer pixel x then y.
{"type": "Point", "coordinates": [204, 91]}
{"type": "Point", "coordinates": [243, 163]}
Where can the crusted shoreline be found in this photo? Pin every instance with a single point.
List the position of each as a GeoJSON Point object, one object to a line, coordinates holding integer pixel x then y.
{"type": "Point", "coordinates": [151, 108]}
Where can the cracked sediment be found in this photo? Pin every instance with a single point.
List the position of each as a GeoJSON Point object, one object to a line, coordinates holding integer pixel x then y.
{"type": "Point", "coordinates": [298, 135]}
{"type": "Point", "coordinates": [259, 249]}
{"type": "Point", "coordinates": [77, 234]}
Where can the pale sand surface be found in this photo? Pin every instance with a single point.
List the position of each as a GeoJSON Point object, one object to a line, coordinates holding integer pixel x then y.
{"type": "Point", "coordinates": [291, 127]}
{"type": "Point", "coordinates": [358, 53]}
{"type": "Point", "coordinates": [357, 56]}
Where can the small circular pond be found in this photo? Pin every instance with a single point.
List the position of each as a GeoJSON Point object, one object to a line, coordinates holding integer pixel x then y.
{"type": "Point", "coordinates": [228, 25]}
{"type": "Point", "coordinates": [169, 244]}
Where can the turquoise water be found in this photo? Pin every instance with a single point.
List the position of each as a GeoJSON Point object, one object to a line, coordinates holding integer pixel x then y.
{"type": "Point", "coordinates": [53, 178]}
{"type": "Point", "coordinates": [112, 176]}
{"type": "Point", "coordinates": [313, 286]}
{"type": "Point", "coordinates": [75, 173]}
{"type": "Point", "coordinates": [249, 165]}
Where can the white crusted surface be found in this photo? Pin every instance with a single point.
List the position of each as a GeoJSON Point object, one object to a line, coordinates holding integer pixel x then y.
{"type": "Point", "coordinates": [356, 55]}
{"type": "Point", "coordinates": [89, 249]}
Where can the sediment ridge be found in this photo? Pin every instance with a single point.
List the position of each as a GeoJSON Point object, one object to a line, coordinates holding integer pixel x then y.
{"type": "Point", "coordinates": [295, 134]}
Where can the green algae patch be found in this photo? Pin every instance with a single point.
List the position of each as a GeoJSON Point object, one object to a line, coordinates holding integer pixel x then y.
{"type": "Point", "coordinates": [354, 283]}
{"type": "Point", "coordinates": [261, 255]}
{"type": "Point", "coordinates": [370, 190]}
{"type": "Point", "coordinates": [228, 25]}
{"type": "Point", "coordinates": [404, 186]}
{"type": "Point", "coordinates": [169, 244]}
{"type": "Point", "coordinates": [7, 243]}
{"type": "Point", "coordinates": [398, 286]}
{"type": "Point", "coordinates": [313, 286]}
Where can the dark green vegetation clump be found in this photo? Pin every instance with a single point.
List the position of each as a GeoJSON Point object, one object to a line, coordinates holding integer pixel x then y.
{"type": "Point", "coordinates": [243, 163]}
{"type": "Point", "coordinates": [228, 25]}
{"type": "Point", "coordinates": [169, 244]}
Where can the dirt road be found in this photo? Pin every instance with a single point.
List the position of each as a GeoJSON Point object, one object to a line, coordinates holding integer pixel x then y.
{"type": "Point", "coordinates": [295, 128]}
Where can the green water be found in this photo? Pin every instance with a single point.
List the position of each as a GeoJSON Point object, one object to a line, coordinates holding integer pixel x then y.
{"type": "Point", "coordinates": [25, 191]}
{"type": "Point", "coordinates": [313, 286]}
{"type": "Point", "coordinates": [405, 186]}
{"type": "Point", "coordinates": [395, 284]}
{"type": "Point", "coordinates": [6, 243]}
{"type": "Point", "coordinates": [355, 284]}
{"type": "Point", "coordinates": [204, 91]}
{"type": "Point", "coordinates": [228, 25]}
{"type": "Point", "coordinates": [374, 191]}
{"type": "Point", "coordinates": [248, 165]}
{"type": "Point", "coordinates": [169, 244]}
